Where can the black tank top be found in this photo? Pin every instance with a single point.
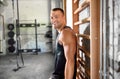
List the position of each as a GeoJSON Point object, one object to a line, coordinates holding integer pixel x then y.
{"type": "Point", "coordinates": [60, 60]}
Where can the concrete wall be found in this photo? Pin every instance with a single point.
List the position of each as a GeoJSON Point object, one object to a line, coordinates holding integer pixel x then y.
{"type": "Point", "coordinates": [110, 26]}
{"type": "Point", "coordinates": [2, 28]}
{"type": "Point", "coordinates": [29, 10]}
{"type": "Point", "coordinates": [114, 34]}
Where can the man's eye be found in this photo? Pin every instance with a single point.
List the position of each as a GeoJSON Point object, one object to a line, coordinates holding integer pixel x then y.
{"type": "Point", "coordinates": [51, 18]}
{"type": "Point", "coordinates": [56, 17]}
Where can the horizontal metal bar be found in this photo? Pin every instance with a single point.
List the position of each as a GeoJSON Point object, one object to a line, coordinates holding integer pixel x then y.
{"type": "Point", "coordinates": [34, 34]}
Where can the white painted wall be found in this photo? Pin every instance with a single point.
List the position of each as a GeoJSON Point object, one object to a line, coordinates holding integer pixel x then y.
{"type": "Point", "coordinates": [29, 10]}
{"type": "Point", "coordinates": [114, 35]}
{"type": "Point", "coordinates": [69, 12]}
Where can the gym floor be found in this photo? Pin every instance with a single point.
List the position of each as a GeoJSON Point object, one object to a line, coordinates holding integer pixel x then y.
{"type": "Point", "coordinates": [35, 66]}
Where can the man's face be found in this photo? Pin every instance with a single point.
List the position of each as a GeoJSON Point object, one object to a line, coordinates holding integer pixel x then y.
{"type": "Point", "coordinates": [57, 19]}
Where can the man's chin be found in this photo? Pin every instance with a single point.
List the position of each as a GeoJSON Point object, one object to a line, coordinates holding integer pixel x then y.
{"type": "Point", "coordinates": [53, 26]}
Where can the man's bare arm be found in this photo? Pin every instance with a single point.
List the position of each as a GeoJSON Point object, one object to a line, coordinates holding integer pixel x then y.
{"type": "Point", "coordinates": [69, 43]}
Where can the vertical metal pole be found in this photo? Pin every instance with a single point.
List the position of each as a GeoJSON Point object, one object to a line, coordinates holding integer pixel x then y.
{"type": "Point", "coordinates": [3, 26]}
{"type": "Point", "coordinates": [17, 27]}
{"type": "Point", "coordinates": [17, 34]}
{"type": "Point", "coordinates": [17, 10]}
{"type": "Point", "coordinates": [36, 36]}
{"type": "Point", "coordinates": [104, 41]}
{"type": "Point", "coordinates": [57, 2]}
{"type": "Point", "coordinates": [101, 38]}
{"type": "Point", "coordinates": [3, 35]}
{"type": "Point", "coordinates": [49, 9]}
{"type": "Point", "coordinates": [113, 2]}
{"type": "Point", "coordinates": [119, 22]}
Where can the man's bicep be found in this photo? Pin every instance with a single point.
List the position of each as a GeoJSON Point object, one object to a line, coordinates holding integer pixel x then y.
{"type": "Point", "coordinates": [69, 44]}
{"type": "Point", "coordinates": [69, 50]}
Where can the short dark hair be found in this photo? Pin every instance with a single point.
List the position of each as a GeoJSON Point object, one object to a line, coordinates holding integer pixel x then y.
{"type": "Point", "coordinates": [58, 9]}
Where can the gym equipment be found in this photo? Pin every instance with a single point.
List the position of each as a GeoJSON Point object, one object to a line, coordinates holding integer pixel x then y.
{"type": "Point", "coordinates": [11, 34]}
{"type": "Point", "coordinates": [26, 31]}
{"type": "Point", "coordinates": [11, 48]}
{"type": "Point", "coordinates": [10, 26]}
{"type": "Point", "coordinates": [18, 54]}
{"type": "Point", "coordinates": [11, 40]}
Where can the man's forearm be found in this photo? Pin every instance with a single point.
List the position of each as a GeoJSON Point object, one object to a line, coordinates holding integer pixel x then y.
{"type": "Point", "coordinates": [69, 70]}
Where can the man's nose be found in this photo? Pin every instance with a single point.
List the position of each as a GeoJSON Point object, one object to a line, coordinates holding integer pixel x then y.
{"type": "Point", "coordinates": [53, 20]}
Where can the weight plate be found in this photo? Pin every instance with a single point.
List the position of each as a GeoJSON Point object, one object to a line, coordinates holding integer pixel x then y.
{"type": "Point", "coordinates": [11, 34]}
{"type": "Point", "coordinates": [10, 26]}
{"type": "Point", "coordinates": [11, 49]}
{"type": "Point", "coordinates": [11, 41]}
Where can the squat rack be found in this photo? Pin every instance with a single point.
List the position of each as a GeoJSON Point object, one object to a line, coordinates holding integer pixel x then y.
{"type": "Point", "coordinates": [27, 25]}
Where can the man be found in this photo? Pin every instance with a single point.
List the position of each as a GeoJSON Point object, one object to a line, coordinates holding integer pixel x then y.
{"type": "Point", "coordinates": [65, 47]}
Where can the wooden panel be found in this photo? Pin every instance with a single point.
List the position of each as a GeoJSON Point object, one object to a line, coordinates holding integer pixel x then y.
{"type": "Point", "coordinates": [95, 38]}
{"type": "Point", "coordinates": [85, 20]}
{"type": "Point", "coordinates": [75, 16]}
{"type": "Point", "coordinates": [82, 6]}
{"type": "Point", "coordinates": [94, 21]}
{"type": "Point", "coordinates": [84, 36]}
{"type": "Point", "coordinates": [84, 51]}
{"type": "Point", "coordinates": [82, 72]}
{"type": "Point", "coordinates": [82, 63]}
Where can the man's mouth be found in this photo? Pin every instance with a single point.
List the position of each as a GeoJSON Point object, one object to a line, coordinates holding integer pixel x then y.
{"type": "Point", "coordinates": [54, 24]}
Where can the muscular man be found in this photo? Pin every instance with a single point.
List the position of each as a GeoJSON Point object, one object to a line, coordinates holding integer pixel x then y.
{"type": "Point", "coordinates": [65, 65]}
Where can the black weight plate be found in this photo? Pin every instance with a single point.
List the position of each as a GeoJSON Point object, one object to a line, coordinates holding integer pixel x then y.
{"type": "Point", "coordinates": [11, 34]}
{"type": "Point", "coordinates": [10, 26]}
{"type": "Point", "coordinates": [11, 41]}
{"type": "Point", "coordinates": [11, 49]}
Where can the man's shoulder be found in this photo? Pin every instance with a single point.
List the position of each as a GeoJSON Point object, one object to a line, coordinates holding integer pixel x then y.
{"type": "Point", "coordinates": [67, 31]}
{"type": "Point", "coordinates": [67, 34]}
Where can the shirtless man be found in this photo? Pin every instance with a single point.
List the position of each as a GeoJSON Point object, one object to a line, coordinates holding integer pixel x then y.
{"type": "Point", "coordinates": [65, 64]}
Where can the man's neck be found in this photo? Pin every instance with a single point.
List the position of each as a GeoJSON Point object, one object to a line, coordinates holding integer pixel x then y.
{"type": "Point", "coordinates": [59, 30]}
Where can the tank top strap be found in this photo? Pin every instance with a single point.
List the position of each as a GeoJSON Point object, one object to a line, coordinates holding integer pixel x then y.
{"type": "Point", "coordinates": [66, 27]}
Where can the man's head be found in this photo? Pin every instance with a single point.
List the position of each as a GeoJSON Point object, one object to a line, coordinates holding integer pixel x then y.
{"type": "Point", "coordinates": [57, 18]}
{"type": "Point", "coordinates": [58, 9]}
